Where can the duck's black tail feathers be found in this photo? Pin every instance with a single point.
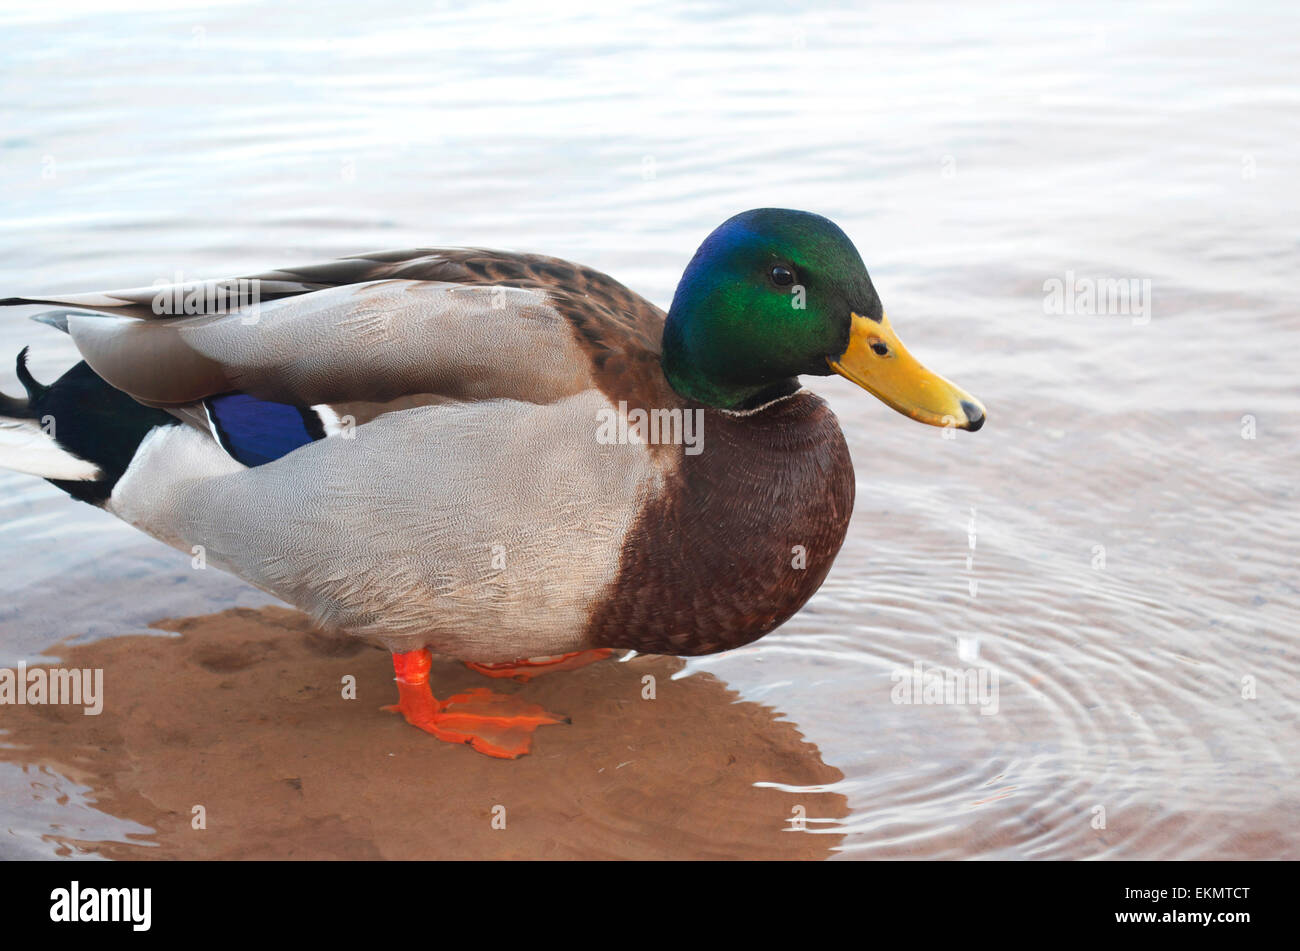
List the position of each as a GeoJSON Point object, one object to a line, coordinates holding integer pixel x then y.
{"type": "Point", "coordinates": [79, 432]}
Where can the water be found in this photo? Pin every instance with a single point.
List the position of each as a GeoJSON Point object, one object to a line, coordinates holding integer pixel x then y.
{"type": "Point", "coordinates": [1111, 544]}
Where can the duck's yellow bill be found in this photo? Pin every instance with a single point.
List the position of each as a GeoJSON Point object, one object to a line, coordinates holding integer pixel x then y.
{"type": "Point", "coordinates": [877, 361]}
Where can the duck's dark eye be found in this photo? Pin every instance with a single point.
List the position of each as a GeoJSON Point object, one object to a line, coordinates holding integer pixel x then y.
{"type": "Point", "coordinates": [781, 275]}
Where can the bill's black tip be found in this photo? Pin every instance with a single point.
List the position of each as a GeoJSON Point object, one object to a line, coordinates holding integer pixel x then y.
{"type": "Point", "coordinates": [974, 416]}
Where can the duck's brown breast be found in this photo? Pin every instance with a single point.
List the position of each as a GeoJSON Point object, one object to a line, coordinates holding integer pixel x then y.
{"type": "Point", "coordinates": [742, 534]}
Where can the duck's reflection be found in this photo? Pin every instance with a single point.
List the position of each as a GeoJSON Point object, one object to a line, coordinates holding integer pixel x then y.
{"type": "Point", "coordinates": [254, 736]}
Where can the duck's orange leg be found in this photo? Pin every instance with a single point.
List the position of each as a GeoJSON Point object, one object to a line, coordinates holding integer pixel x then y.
{"type": "Point", "coordinates": [526, 670]}
{"type": "Point", "coordinates": [491, 723]}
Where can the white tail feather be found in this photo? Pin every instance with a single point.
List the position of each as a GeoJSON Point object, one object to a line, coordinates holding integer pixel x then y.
{"type": "Point", "coordinates": [26, 447]}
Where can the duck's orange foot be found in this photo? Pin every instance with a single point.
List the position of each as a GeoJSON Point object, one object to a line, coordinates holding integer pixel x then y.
{"type": "Point", "coordinates": [492, 723]}
{"type": "Point", "coordinates": [525, 670]}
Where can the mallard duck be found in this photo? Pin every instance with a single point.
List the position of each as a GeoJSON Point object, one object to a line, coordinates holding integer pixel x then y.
{"type": "Point", "coordinates": [489, 455]}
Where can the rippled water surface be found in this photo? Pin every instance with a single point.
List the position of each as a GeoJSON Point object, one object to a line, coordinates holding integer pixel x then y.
{"type": "Point", "coordinates": [1117, 547]}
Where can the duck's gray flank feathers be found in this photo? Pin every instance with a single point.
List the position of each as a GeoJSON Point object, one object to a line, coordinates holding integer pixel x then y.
{"type": "Point", "coordinates": [386, 535]}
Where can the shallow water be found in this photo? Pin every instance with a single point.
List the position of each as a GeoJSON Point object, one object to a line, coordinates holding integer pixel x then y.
{"type": "Point", "coordinates": [1111, 545]}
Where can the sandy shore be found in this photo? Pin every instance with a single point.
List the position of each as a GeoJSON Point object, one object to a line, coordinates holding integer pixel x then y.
{"type": "Point", "coordinates": [244, 715]}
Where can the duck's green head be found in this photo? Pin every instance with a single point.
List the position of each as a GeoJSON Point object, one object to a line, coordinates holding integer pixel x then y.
{"type": "Point", "coordinates": [773, 294]}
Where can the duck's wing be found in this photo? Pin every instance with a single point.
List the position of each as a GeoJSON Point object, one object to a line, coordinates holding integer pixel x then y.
{"type": "Point", "coordinates": [455, 323]}
{"type": "Point", "coordinates": [478, 381]}
{"type": "Point", "coordinates": [467, 266]}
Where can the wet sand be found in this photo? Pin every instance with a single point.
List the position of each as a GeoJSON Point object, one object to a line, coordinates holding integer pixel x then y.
{"type": "Point", "coordinates": [244, 714]}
